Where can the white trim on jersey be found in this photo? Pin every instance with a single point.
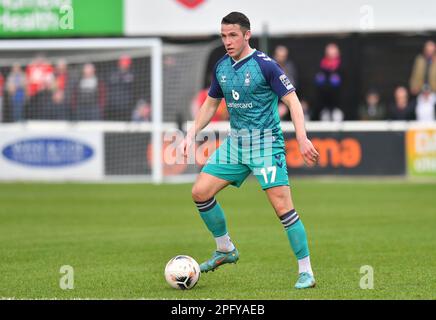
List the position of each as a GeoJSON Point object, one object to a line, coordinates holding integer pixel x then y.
{"type": "Point", "coordinates": [247, 56]}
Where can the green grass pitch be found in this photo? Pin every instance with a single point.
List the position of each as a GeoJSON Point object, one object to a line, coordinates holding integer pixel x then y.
{"type": "Point", "coordinates": [118, 238]}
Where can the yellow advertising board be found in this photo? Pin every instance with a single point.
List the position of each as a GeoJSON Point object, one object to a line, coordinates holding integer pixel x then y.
{"type": "Point", "coordinates": [421, 152]}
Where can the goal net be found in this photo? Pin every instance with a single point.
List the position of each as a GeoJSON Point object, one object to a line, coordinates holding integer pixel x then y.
{"type": "Point", "coordinates": [128, 91]}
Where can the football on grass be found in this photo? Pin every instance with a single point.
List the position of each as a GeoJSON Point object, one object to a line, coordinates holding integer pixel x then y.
{"type": "Point", "coordinates": [182, 272]}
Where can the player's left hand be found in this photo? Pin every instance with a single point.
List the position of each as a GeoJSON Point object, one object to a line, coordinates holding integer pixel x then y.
{"type": "Point", "coordinates": [308, 151]}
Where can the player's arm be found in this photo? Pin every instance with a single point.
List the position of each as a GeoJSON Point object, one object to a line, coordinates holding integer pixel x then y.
{"type": "Point", "coordinates": [308, 151]}
{"type": "Point", "coordinates": [204, 115]}
{"type": "Point", "coordinates": [281, 85]}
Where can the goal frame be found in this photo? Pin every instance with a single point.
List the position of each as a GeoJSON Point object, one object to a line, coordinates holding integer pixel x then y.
{"type": "Point", "coordinates": [114, 43]}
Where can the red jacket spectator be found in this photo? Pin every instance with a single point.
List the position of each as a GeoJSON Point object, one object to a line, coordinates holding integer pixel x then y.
{"type": "Point", "coordinates": [38, 73]}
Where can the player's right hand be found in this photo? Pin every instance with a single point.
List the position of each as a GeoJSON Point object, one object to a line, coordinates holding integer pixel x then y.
{"type": "Point", "coordinates": [186, 144]}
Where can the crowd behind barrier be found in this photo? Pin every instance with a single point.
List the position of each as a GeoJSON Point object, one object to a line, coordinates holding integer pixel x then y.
{"type": "Point", "coordinates": [46, 90]}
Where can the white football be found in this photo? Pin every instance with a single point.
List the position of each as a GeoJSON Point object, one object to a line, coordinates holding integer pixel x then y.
{"type": "Point", "coordinates": [182, 272]}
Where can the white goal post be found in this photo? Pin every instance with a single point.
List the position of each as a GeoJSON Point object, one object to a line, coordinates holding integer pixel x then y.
{"type": "Point", "coordinates": [153, 45]}
{"type": "Point", "coordinates": [95, 96]}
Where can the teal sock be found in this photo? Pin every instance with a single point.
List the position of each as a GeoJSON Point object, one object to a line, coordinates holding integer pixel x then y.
{"type": "Point", "coordinates": [213, 216]}
{"type": "Point", "coordinates": [296, 234]}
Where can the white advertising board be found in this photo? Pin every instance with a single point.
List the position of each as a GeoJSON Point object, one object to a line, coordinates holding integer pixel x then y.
{"type": "Point", "coordinates": [51, 155]}
{"type": "Point", "coordinates": [203, 17]}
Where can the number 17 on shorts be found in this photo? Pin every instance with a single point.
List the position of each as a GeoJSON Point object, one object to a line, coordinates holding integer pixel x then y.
{"type": "Point", "coordinates": [273, 175]}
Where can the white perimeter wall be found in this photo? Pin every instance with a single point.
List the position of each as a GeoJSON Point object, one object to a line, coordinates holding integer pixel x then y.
{"type": "Point", "coordinates": [170, 17]}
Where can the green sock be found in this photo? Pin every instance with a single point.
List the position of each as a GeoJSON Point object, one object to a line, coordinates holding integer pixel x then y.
{"type": "Point", "coordinates": [213, 216]}
{"type": "Point", "coordinates": [296, 234]}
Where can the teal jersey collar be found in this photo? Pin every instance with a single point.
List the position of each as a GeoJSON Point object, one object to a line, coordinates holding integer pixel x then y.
{"type": "Point", "coordinates": [236, 63]}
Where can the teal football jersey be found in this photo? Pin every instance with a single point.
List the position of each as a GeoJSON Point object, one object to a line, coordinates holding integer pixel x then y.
{"type": "Point", "coordinates": [251, 88]}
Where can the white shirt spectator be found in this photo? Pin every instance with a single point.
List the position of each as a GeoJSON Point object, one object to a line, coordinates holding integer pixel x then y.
{"type": "Point", "coordinates": [425, 106]}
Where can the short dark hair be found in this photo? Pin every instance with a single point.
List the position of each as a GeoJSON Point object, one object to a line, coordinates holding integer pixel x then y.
{"type": "Point", "coordinates": [237, 18]}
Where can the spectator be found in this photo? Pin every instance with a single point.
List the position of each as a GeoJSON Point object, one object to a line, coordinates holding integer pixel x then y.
{"type": "Point", "coordinates": [16, 87]}
{"type": "Point", "coordinates": [401, 108]}
{"type": "Point", "coordinates": [426, 105]}
{"type": "Point", "coordinates": [121, 91]}
{"type": "Point", "coordinates": [281, 56]}
{"type": "Point", "coordinates": [38, 72]}
{"type": "Point", "coordinates": [61, 74]}
{"type": "Point", "coordinates": [41, 106]}
{"type": "Point", "coordinates": [372, 109]}
{"type": "Point", "coordinates": [142, 111]}
{"type": "Point", "coordinates": [328, 82]}
{"type": "Point", "coordinates": [59, 110]}
{"type": "Point", "coordinates": [306, 110]}
{"type": "Point", "coordinates": [424, 69]}
{"type": "Point", "coordinates": [89, 95]}
{"type": "Point", "coordinates": [39, 77]}
{"type": "Point", "coordinates": [64, 89]}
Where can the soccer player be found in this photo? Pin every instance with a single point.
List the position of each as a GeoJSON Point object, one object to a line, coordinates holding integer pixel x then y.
{"type": "Point", "coordinates": [251, 84]}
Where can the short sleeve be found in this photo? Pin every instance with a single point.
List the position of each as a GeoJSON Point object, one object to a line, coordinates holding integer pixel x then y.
{"type": "Point", "coordinates": [215, 90]}
{"type": "Point", "coordinates": [275, 76]}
